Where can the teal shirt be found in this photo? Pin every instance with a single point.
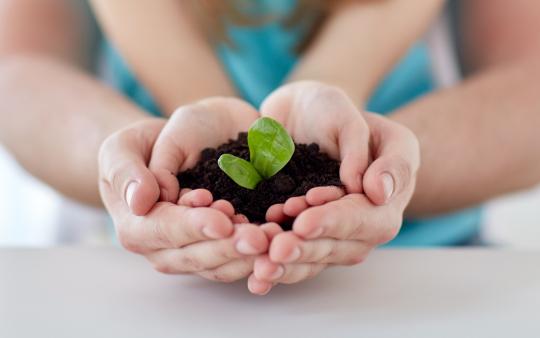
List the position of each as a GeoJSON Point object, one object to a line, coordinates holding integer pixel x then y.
{"type": "Point", "coordinates": [259, 62]}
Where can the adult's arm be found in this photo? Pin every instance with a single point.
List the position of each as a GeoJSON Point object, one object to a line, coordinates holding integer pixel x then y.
{"type": "Point", "coordinates": [53, 114]}
{"type": "Point", "coordinates": [360, 42]}
{"type": "Point", "coordinates": [480, 139]}
{"type": "Point", "coordinates": [166, 48]}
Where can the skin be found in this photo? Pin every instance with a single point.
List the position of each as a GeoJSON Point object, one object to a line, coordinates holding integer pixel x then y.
{"type": "Point", "coordinates": [318, 240]}
{"type": "Point", "coordinates": [489, 122]}
{"type": "Point", "coordinates": [184, 50]}
{"type": "Point", "coordinates": [332, 226]}
{"type": "Point", "coordinates": [360, 36]}
{"type": "Point", "coordinates": [101, 114]}
{"type": "Point", "coordinates": [197, 235]}
{"type": "Point", "coordinates": [26, 66]}
{"type": "Point", "coordinates": [501, 65]}
{"type": "Point", "coordinates": [121, 22]}
{"type": "Point", "coordinates": [374, 49]}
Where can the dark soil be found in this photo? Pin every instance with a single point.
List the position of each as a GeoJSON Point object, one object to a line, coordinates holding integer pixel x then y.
{"type": "Point", "coordinates": [308, 168]}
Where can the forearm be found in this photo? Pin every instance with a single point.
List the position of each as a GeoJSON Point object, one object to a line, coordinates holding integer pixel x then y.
{"type": "Point", "coordinates": [167, 50]}
{"type": "Point", "coordinates": [478, 140]}
{"type": "Point", "coordinates": [361, 41]}
{"type": "Point", "coordinates": [53, 118]}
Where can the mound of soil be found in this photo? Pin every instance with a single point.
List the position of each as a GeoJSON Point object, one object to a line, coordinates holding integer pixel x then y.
{"type": "Point", "coordinates": [307, 169]}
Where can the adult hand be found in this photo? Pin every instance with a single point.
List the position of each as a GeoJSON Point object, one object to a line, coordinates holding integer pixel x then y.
{"type": "Point", "coordinates": [177, 238]}
{"type": "Point", "coordinates": [332, 226]}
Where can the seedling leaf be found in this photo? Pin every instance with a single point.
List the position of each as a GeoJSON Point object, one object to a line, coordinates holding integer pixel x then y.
{"type": "Point", "coordinates": [270, 146]}
{"type": "Point", "coordinates": [239, 170]}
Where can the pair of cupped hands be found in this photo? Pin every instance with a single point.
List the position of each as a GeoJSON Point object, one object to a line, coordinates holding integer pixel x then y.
{"type": "Point", "coordinates": [182, 231]}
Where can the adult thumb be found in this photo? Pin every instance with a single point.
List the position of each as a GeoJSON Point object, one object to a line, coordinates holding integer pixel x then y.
{"type": "Point", "coordinates": [393, 171]}
{"type": "Point", "coordinates": [123, 170]}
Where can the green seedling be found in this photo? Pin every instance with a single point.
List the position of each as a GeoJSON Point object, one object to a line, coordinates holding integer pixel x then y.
{"type": "Point", "coordinates": [270, 149]}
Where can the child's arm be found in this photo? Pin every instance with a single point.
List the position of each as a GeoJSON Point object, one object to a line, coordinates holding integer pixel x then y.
{"type": "Point", "coordinates": [165, 49]}
{"type": "Point", "coordinates": [361, 41]}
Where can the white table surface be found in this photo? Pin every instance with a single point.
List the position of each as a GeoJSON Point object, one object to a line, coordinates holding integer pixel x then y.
{"type": "Point", "coordinates": [102, 292]}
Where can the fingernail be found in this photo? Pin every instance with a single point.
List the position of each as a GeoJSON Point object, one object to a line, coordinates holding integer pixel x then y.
{"type": "Point", "coordinates": [130, 191]}
{"type": "Point", "coordinates": [315, 233]}
{"type": "Point", "coordinates": [388, 186]}
{"type": "Point", "coordinates": [278, 273]}
{"type": "Point", "coordinates": [243, 247]}
{"type": "Point", "coordinates": [295, 254]}
{"type": "Point", "coordinates": [210, 232]}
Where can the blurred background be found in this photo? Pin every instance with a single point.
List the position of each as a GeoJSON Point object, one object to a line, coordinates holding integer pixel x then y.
{"type": "Point", "coordinates": [32, 214]}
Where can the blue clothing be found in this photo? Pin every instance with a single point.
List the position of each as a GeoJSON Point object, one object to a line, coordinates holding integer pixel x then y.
{"type": "Point", "coordinates": [261, 58]}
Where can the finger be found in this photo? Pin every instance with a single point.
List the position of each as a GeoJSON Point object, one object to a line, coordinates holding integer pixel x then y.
{"type": "Point", "coordinates": [271, 230]}
{"type": "Point", "coordinates": [276, 214]}
{"type": "Point", "coordinates": [295, 273]}
{"type": "Point", "coordinates": [239, 219]}
{"type": "Point", "coordinates": [266, 270]}
{"type": "Point", "coordinates": [183, 191]}
{"type": "Point", "coordinates": [257, 286]}
{"type": "Point", "coordinates": [295, 205]}
{"type": "Point", "coordinates": [171, 226]}
{"type": "Point", "coordinates": [196, 198]}
{"type": "Point", "coordinates": [354, 152]}
{"type": "Point", "coordinates": [347, 135]}
{"type": "Point", "coordinates": [248, 240]}
{"type": "Point", "coordinates": [288, 248]}
{"type": "Point", "coordinates": [123, 170]}
{"type": "Point", "coordinates": [230, 272]}
{"type": "Point", "coordinates": [278, 104]}
{"type": "Point", "coordinates": [168, 183]}
{"type": "Point", "coordinates": [225, 207]}
{"type": "Point", "coordinates": [168, 157]}
{"type": "Point", "coordinates": [321, 195]}
{"type": "Point", "coordinates": [352, 217]}
{"type": "Point", "coordinates": [393, 172]}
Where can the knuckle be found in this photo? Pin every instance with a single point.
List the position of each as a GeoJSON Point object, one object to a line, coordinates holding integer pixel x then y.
{"type": "Point", "coordinates": [402, 168]}
{"type": "Point", "coordinates": [113, 177]}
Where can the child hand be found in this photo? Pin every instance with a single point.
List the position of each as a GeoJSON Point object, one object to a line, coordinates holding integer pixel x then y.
{"type": "Point", "coordinates": [332, 228]}
{"type": "Point", "coordinates": [207, 123]}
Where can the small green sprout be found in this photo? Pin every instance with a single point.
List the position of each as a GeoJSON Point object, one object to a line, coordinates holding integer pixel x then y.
{"type": "Point", "coordinates": [270, 149]}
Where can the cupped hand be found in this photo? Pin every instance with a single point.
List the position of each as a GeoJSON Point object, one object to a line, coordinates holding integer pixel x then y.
{"type": "Point", "coordinates": [197, 235]}
{"type": "Point", "coordinates": [333, 226]}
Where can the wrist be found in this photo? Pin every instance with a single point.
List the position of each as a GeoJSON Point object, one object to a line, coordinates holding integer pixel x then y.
{"type": "Point", "coordinates": [350, 91]}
